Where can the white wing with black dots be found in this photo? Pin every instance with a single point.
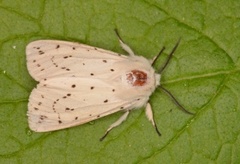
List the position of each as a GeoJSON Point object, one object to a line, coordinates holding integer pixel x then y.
{"type": "Point", "coordinates": [48, 58]}
{"type": "Point", "coordinates": [80, 83]}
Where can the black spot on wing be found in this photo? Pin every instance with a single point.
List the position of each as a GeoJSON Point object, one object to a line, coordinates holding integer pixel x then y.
{"type": "Point", "coordinates": [41, 52]}
{"type": "Point", "coordinates": [57, 64]}
{"type": "Point", "coordinates": [36, 48]}
{"type": "Point", "coordinates": [74, 85]}
{"type": "Point", "coordinates": [42, 117]}
{"type": "Point", "coordinates": [67, 56]}
{"type": "Point", "coordinates": [67, 109]}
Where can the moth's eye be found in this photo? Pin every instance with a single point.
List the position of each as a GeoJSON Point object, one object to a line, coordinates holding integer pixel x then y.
{"type": "Point", "coordinates": [136, 78]}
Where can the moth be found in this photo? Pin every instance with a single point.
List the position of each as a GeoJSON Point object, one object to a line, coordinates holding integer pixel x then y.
{"type": "Point", "coordinates": [80, 83]}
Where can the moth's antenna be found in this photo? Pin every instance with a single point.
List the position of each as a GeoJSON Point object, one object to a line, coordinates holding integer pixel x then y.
{"type": "Point", "coordinates": [175, 100]}
{"type": "Point", "coordinates": [155, 59]}
{"type": "Point", "coordinates": [169, 57]}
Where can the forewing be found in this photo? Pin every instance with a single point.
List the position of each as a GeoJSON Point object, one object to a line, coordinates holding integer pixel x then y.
{"type": "Point", "coordinates": [50, 58]}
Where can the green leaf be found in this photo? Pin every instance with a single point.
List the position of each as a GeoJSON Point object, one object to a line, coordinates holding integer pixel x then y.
{"type": "Point", "coordinates": [203, 75]}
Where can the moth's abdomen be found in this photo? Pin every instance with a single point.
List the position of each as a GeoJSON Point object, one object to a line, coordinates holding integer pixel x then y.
{"type": "Point", "coordinates": [136, 78]}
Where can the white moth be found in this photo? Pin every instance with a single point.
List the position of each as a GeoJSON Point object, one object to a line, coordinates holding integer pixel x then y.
{"type": "Point", "coordinates": [80, 83]}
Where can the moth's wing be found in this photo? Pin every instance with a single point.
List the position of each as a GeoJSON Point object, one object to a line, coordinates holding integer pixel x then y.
{"type": "Point", "coordinates": [55, 104]}
{"type": "Point", "coordinates": [79, 83]}
{"type": "Point", "coordinates": [50, 58]}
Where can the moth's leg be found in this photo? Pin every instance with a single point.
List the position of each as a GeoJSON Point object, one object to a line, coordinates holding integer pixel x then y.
{"type": "Point", "coordinates": [124, 46]}
{"type": "Point", "coordinates": [115, 124]}
{"type": "Point", "coordinates": [150, 117]}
